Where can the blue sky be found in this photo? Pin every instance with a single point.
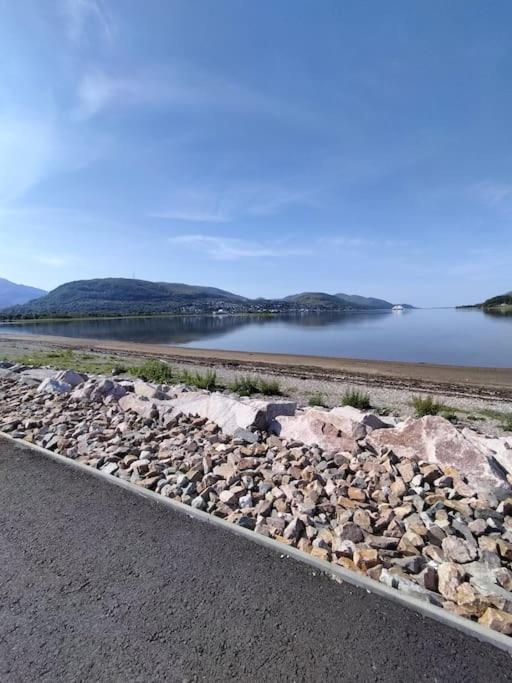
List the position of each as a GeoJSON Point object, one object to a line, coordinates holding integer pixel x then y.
{"type": "Point", "coordinates": [263, 147]}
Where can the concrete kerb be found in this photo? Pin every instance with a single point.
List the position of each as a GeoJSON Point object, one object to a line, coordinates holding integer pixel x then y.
{"type": "Point", "coordinates": [336, 572]}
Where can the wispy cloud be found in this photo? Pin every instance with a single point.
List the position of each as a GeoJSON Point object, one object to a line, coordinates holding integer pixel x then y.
{"type": "Point", "coordinates": [221, 248]}
{"type": "Point", "coordinates": [81, 15]}
{"type": "Point", "coordinates": [52, 260]}
{"type": "Point", "coordinates": [494, 193]}
{"type": "Point", "coordinates": [361, 242]}
{"type": "Point", "coordinates": [225, 204]}
{"type": "Point", "coordinates": [180, 85]}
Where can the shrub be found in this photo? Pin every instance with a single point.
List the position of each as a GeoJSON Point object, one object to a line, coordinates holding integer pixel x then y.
{"type": "Point", "coordinates": [206, 380]}
{"type": "Point", "coordinates": [427, 405]}
{"type": "Point", "coordinates": [246, 385]}
{"type": "Point", "coordinates": [270, 387]}
{"type": "Point", "coordinates": [154, 371]}
{"type": "Point", "coordinates": [356, 399]}
{"type": "Point", "coordinates": [507, 423]}
{"type": "Point", "coordinates": [317, 399]}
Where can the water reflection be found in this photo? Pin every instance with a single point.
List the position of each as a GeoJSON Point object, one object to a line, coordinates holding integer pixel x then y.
{"type": "Point", "coordinates": [458, 337]}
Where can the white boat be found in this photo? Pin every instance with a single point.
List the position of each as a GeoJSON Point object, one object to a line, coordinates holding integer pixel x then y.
{"type": "Point", "coordinates": [398, 307]}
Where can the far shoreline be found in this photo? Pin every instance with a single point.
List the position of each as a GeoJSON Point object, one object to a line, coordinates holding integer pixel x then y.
{"type": "Point", "coordinates": [495, 382]}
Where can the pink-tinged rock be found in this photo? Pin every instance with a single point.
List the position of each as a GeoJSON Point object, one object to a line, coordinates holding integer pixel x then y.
{"type": "Point", "coordinates": [142, 406]}
{"type": "Point", "coordinates": [318, 427]}
{"type": "Point", "coordinates": [147, 390]}
{"type": "Point", "coordinates": [358, 422]}
{"type": "Point", "coordinates": [437, 441]}
{"type": "Point", "coordinates": [501, 448]}
{"type": "Point", "coordinates": [231, 413]}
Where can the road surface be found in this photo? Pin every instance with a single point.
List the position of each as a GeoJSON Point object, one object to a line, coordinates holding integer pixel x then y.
{"type": "Point", "coordinates": [99, 584]}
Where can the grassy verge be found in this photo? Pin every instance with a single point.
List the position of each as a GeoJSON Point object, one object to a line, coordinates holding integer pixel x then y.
{"type": "Point", "coordinates": [151, 370]}
{"type": "Point", "coordinates": [247, 385]}
{"type": "Point", "coordinates": [356, 399]}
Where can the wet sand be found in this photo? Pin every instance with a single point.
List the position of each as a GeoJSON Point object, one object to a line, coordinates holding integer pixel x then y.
{"type": "Point", "coordinates": [448, 379]}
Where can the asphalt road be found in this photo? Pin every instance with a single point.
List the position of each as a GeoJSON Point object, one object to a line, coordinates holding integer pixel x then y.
{"type": "Point", "coordinates": [98, 584]}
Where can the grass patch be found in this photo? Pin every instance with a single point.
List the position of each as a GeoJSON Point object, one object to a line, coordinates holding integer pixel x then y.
{"type": "Point", "coordinates": [317, 399]}
{"type": "Point", "coordinates": [247, 385]}
{"type": "Point", "coordinates": [506, 422]}
{"type": "Point", "coordinates": [154, 371]}
{"type": "Point", "coordinates": [67, 359]}
{"type": "Point", "coordinates": [356, 399]}
{"type": "Point", "coordinates": [201, 380]}
{"type": "Point", "coordinates": [428, 405]}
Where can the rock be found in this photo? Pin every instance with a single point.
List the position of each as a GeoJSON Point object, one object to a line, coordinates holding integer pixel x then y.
{"type": "Point", "coordinates": [458, 550]}
{"type": "Point", "coordinates": [245, 435]}
{"type": "Point", "coordinates": [71, 377]}
{"type": "Point", "coordinates": [142, 406]}
{"type": "Point", "coordinates": [365, 558]}
{"type": "Point", "coordinates": [497, 620]}
{"type": "Point", "coordinates": [295, 529]}
{"type": "Point", "coordinates": [53, 386]}
{"type": "Point", "coordinates": [449, 579]}
{"type": "Point", "coordinates": [317, 427]}
{"type": "Point", "coordinates": [198, 503]}
{"type": "Point", "coordinates": [351, 532]}
{"type": "Point", "coordinates": [435, 440]}
{"type": "Point", "coordinates": [95, 390]}
{"type": "Point", "coordinates": [358, 422]}
{"type": "Point", "coordinates": [230, 413]}
{"type": "Point", "coordinates": [147, 390]}
{"type": "Point", "coordinates": [500, 448]}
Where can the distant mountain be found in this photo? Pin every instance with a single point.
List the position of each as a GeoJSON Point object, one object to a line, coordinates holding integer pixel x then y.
{"type": "Point", "coordinates": [316, 300]}
{"type": "Point", "coordinates": [122, 296]}
{"type": "Point", "coordinates": [12, 293]}
{"type": "Point", "coordinates": [493, 302]}
{"type": "Point", "coordinates": [367, 301]}
{"type": "Point", "coordinates": [501, 300]}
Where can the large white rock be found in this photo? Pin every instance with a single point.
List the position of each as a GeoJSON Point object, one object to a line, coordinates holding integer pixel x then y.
{"type": "Point", "coordinates": [71, 377]}
{"type": "Point", "coordinates": [148, 390]}
{"type": "Point", "coordinates": [435, 440]}
{"type": "Point", "coordinates": [140, 405]}
{"type": "Point", "coordinates": [231, 413]}
{"type": "Point", "coordinates": [51, 385]}
{"type": "Point", "coordinates": [97, 390]}
{"type": "Point", "coordinates": [34, 376]}
{"type": "Point", "coordinates": [357, 423]}
{"type": "Point", "coordinates": [501, 448]}
{"type": "Point", "coordinates": [323, 428]}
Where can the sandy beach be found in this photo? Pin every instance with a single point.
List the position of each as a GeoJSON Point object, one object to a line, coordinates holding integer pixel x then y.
{"type": "Point", "coordinates": [495, 383]}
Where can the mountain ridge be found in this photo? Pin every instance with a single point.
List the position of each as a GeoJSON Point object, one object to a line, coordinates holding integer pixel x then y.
{"type": "Point", "coordinates": [13, 293]}
{"type": "Point", "coordinates": [129, 296]}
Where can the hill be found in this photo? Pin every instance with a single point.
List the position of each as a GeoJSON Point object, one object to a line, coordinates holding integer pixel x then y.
{"type": "Point", "coordinates": [368, 301]}
{"type": "Point", "coordinates": [493, 302]}
{"type": "Point", "coordinates": [501, 300]}
{"type": "Point", "coordinates": [124, 296]}
{"type": "Point", "coordinates": [318, 300]}
{"type": "Point", "coordinates": [12, 293]}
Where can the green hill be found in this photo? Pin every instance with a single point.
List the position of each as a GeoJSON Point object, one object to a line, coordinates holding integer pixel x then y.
{"type": "Point", "coordinates": [124, 296]}
{"type": "Point", "coordinates": [318, 300]}
{"type": "Point", "coordinates": [368, 301]}
{"type": "Point", "coordinates": [501, 300]}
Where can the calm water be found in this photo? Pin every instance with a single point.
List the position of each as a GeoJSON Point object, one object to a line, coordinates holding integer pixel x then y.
{"type": "Point", "coordinates": [457, 337]}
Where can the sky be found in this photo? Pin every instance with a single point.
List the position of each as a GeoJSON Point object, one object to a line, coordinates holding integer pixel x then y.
{"type": "Point", "coordinates": [267, 148]}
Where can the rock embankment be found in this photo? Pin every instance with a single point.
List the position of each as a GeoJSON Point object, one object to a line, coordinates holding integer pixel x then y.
{"type": "Point", "coordinates": [418, 505]}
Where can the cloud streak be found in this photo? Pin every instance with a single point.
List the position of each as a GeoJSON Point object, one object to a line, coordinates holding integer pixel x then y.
{"type": "Point", "coordinates": [80, 15]}
{"type": "Point", "coordinates": [180, 86]}
{"type": "Point", "coordinates": [219, 248]}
